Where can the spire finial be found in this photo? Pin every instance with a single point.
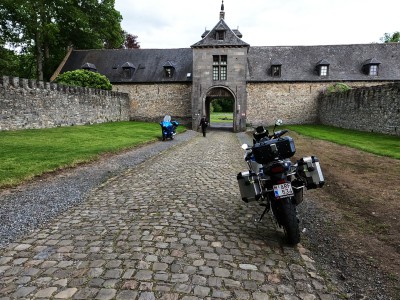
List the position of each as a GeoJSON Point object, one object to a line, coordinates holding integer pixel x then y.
{"type": "Point", "coordinates": [222, 13]}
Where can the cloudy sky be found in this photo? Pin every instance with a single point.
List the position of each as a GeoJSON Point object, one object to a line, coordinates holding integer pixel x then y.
{"type": "Point", "coordinates": [180, 23]}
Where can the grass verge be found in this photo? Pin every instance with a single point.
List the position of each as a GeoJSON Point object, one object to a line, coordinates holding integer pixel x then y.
{"type": "Point", "coordinates": [29, 153]}
{"type": "Point", "coordinates": [380, 144]}
{"type": "Point", "coordinates": [221, 117]}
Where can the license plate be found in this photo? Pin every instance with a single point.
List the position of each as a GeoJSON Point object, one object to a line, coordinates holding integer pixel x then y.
{"type": "Point", "coordinates": [283, 190]}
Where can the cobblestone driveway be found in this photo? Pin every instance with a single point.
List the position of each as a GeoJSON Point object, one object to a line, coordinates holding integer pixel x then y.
{"type": "Point", "coordinates": [173, 227]}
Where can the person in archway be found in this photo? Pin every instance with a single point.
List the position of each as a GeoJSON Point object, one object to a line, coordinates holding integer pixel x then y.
{"type": "Point", "coordinates": [204, 125]}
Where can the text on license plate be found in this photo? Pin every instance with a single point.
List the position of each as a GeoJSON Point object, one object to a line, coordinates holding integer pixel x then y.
{"type": "Point", "coordinates": [283, 190]}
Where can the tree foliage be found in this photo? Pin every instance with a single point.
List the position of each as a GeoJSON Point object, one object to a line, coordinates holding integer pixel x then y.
{"type": "Point", "coordinates": [222, 105]}
{"type": "Point", "coordinates": [45, 29]}
{"type": "Point", "coordinates": [8, 62]}
{"type": "Point", "coordinates": [84, 78]}
{"type": "Point", "coordinates": [130, 41]}
{"type": "Point", "coordinates": [391, 37]}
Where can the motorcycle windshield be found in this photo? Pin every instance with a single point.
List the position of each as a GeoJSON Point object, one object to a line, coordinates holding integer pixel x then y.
{"type": "Point", "coordinates": [167, 118]}
{"type": "Point", "coordinates": [166, 124]}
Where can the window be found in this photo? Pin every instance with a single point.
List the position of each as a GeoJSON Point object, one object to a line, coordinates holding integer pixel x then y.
{"type": "Point", "coordinates": [128, 69]}
{"type": "Point", "coordinates": [276, 71]}
{"type": "Point", "coordinates": [220, 63]}
{"type": "Point", "coordinates": [373, 70]}
{"type": "Point", "coordinates": [127, 72]}
{"type": "Point", "coordinates": [323, 68]}
{"type": "Point", "coordinates": [371, 67]}
{"type": "Point", "coordinates": [323, 71]}
{"type": "Point", "coordinates": [220, 35]}
{"type": "Point", "coordinates": [168, 72]}
{"type": "Point", "coordinates": [169, 69]}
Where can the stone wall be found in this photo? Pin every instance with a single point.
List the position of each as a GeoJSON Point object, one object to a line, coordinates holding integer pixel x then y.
{"type": "Point", "coordinates": [34, 104]}
{"type": "Point", "coordinates": [294, 103]}
{"type": "Point", "coordinates": [151, 102]}
{"type": "Point", "coordinates": [373, 109]}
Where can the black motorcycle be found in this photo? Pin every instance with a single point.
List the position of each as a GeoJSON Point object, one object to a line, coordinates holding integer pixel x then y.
{"type": "Point", "coordinates": [274, 181]}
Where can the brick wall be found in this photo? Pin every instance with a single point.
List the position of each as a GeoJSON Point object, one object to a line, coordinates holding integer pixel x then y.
{"type": "Point", "coordinates": [373, 109]}
{"type": "Point", "coordinates": [34, 104]}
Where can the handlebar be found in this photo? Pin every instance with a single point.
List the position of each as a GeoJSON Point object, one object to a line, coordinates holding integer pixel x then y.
{"type": "Point", "coordinates": [279, 133]}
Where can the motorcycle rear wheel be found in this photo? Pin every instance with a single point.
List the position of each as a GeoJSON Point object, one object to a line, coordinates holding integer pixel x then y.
{"type": "Point", "coordinates": [289, 221]}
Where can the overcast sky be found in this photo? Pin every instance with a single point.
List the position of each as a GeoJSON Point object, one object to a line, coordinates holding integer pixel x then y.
{"type": "Point", "coordinates": [180, 23]}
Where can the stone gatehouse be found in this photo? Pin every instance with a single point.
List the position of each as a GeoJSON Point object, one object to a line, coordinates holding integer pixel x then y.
{"type": "Point", "coordinates": [263, 82]}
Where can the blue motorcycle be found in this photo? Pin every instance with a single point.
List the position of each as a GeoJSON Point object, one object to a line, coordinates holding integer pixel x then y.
{"type": "Point", "coordinates": [168, 128]}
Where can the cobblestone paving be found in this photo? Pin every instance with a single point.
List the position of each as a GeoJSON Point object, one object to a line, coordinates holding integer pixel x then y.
{"type": "Point", "coordinates": [173, 227]}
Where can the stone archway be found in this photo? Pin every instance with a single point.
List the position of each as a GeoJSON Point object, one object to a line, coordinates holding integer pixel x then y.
{"type": "Point", "coordinates": [219, 92]}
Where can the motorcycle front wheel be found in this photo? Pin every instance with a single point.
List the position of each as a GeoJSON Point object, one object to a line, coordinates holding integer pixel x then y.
{"type": "Point", "coordinates": [287, 218]}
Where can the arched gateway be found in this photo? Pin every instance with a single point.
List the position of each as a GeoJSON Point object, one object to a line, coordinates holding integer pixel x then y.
{"type": "Point", "coordinates": [220, 61]}
{"type": "Point", "coordinates": [216, 93]}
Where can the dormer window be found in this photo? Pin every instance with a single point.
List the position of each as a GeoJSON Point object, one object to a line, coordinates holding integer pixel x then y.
{"type": "Point", "coordinates": [220, 35]}
{"type": "Point", "coordinates": [371, 67]}
{"type": "Point", "coordinates": [323, 68]}
{"type": "Point", "coordinates": [128, 69]}
{"type": "Point", "coordinates": [169, 69]}
{"type": "Point", "coordinates": [89, 67]}
{"type": "Point", "coordinates": [168, 72]}
{"type": "Point", "coordinates": [276, 68]}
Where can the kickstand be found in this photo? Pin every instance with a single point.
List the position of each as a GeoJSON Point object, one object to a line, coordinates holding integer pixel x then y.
{"type": "Point", "coordinates": [264, 212]}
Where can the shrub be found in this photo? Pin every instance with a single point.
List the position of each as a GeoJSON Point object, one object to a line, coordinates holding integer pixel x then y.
{"type": "Point", "coordinates": [337, 87]}
{"type": "Point", "coordinates": [84, 78]}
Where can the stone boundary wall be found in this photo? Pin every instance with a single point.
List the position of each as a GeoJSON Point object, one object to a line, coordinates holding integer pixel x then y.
{"type": "Point", "coordinates": [28, 104]}
{"type": "Point", "coordinates": [294, 103]}
{"type": "Point", "coordinates": [373, 109]}
{"type": "Point", "coordinates": [151, 102]}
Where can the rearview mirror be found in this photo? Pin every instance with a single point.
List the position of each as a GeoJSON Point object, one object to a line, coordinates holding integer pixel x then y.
{"type": "Point", "coordinates": [245, 146]}
{"type": "Point", "coordinates": [278, 122]}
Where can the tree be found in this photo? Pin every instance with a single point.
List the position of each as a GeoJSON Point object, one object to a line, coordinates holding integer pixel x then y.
{"type": "Point", "coordinates": [8, 62]}
{"type": "Point", "coordinates": [391, 38]}
{"type": "Point", "coordinates": [130, 41]}
{"type": "Point", "coordinates": [46, 29]}
{"type": "Point", "coordinates": [84, 78]}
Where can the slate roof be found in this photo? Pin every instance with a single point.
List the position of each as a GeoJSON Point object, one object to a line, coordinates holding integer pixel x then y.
{"type": "Point", "coordinates": [231, 38]}
{"type": "Point", "coordinates": [147, 64]}
{"type": "Point", "coordinates": [345, 62]}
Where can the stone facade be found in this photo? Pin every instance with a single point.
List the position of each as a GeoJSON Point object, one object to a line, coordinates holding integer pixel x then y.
{"type": "Point", "coordinates": [235, 85]}
{"type": "Point", "coordinates": [28, 104]}
{"type": "Point", "coordinates": [151, 102]}
{"type": "Point", "coordinates": [373, 109]}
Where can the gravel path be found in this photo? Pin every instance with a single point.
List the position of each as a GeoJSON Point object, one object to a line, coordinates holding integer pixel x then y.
{"type": "Point", "coordinates": [30, 205]}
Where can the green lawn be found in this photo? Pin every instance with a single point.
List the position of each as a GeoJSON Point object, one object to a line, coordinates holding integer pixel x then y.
{"type": "Point", "coordinates": [380, 144]}
{"type": "Point", "coordinates": [27, 153]}
{"type": "Point", "coordinates": [221, 117]}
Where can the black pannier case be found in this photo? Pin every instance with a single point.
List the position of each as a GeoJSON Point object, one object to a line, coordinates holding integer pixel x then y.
{"type": "Point", "coordinates": [281, 148]}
